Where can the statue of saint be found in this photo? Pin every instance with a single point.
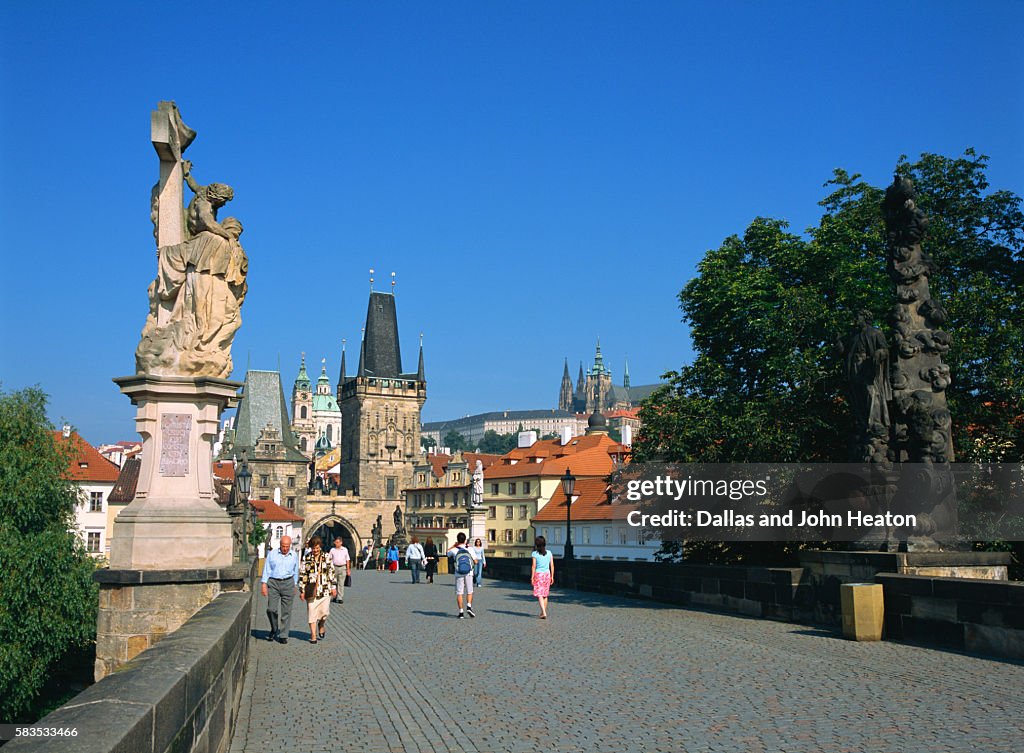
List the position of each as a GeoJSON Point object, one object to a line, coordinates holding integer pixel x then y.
{"type": "Point", "coordinates": [399, 526]}
{"type": "Point", "coordinates": [867, 376]}
{"type": "Point", "coordinates": [477, 497]}
{"type": "Point", "coordinates": [203, 282]}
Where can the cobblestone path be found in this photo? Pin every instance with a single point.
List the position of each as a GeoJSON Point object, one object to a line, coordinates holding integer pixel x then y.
{"type": "Point", "coordinates": [398, 673]}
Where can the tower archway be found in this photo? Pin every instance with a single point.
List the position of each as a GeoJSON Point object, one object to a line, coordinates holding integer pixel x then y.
{"type": "Point", "coordinates": [331, 527]}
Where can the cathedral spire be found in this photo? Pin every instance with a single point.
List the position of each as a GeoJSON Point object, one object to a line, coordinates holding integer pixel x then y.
{"type": "Point", "coordinates": [565, 389]}
{"type": "Point", "coordinates": [625, 375]}
{"type": "Point", "coordinates": [361, 372]}
{"type": "Point", "coordinates": [382, 356]}
{"type": "Point", "coordinates": [421, 375]}
{"type": "Point", "coordinates": [302, 380]}
{"type": "Point", "coordinates": [341, 376]}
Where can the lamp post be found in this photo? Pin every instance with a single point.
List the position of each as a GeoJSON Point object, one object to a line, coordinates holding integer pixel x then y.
{"type": "Point", "coordinates": [243, 482]}
{"type": "Point", "coordinates": [568, 484]}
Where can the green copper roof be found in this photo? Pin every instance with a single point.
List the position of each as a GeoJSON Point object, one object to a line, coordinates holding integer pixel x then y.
{"type": "Point", "coordinates": [302, 380]}
{"type": "Point", "coordinates": [325, 403]}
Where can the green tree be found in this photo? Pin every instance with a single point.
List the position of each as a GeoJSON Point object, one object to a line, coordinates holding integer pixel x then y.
{"type": "Point", "coordinates": [427, 443]}
{"type": "Point", "coordinates": [498, 444]}
{"type": "Point", "coordinates": [455, 442]}
{"type": "Point", "coordinates": [766, 308]}
{"type": "Point", "coordinates": [48, 609]}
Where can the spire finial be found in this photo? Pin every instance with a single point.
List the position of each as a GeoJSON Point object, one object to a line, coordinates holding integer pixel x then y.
{"type": "Point", "coordinates": [392, 283]}
{"type": "Point", "coordinates": [371, 279]}
{"type": "Point", "coordinates": [343, 345]}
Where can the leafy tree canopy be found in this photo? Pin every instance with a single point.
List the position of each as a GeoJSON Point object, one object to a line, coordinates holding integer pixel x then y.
{"type": "Point", "coordinates": [454, 441]}
{"type": "Point", "coordinates": [767, 307]}
{"type": "Point", "coordinates": [498, 444]}
{"type": "Point", "coordinates": [48, 609]}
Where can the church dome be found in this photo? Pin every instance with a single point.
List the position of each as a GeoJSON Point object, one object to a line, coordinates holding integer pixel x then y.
{"type": "Point", "coordinates": [322, 443]}
{"type": "Point", "coordinates": [597, 421]}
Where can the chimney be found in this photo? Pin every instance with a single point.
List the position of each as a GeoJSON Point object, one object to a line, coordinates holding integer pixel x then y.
{"type": "Point", "coordinates": [566, 435]}
{"type": "Point", "coordinates": [527, 438]}
{"type": "Point", "coordinates": [627, 435]}
{"type": "Point", "coordinates": [66, 431]}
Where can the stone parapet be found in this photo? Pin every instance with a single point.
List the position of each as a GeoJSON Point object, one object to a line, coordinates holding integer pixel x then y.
{"type": "Point", "coordinates": [977, 615]}
{"type": "Point", "coordinates": [181, 695]}
{"type": "Point", "coordinates": [140, 608]}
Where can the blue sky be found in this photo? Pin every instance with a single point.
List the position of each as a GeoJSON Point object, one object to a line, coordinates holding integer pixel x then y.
{"type": "Point", "coordinates": [537, 174]}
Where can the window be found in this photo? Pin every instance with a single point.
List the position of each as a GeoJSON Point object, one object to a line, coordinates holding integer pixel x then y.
{"type": "Point", "coordinates": [491, 535]}
{"type": "Point", "coordinates": [302, 411]}
{"type": "Point", "coordinates": [92, 542]}
{"type": "Point", "coordinates": [494, 489]}
{"type": "Point", "coordinates": [442, 495]}
{"type": "Point", "coordinates": [640, 536]}
{"type": "Point", "coordinates": [607, 535]}
{"type": "Point", "coordinates": [456, 477]}
{"type": "Point", "coordinates": [492, 512]}
{"type": "Point", "coordinates": [392, 485]}
{"type": "Point", "coordinates": [508, 512]}
{"type": "Point", "coordinates": [623, 537]}
{"type": "Point", "coordinates": [506, 535]}
{"type": "Point", "coordinates": [544, 533]}
{"type": "Point", "coordinates": [421, 477]}
{"type": "Point", "coordinates": [278, 532]}
{"type": "Point", "coordinates": [302, 444]}
{"type": "Point", "coordinates": [95, 501]}
{"type": "Point", "coordinates": [511, 487]}
{"type": "Point", "coordinates": [264, 480]}
{"type": "Point", "coordinates": [523, 512]}
{"type": "Point", "coordinates": [290, 502]}
{"type": "Point", "coordinates": [586, 534]}
{"type": "Point", "coordinates": [291, 482]}
{"type": "Point", "coordinates": [558, 535]}
{"type": "Point", "coordinates": [521, 535]}
{"type": "Point", "coordinates": [526, 487]}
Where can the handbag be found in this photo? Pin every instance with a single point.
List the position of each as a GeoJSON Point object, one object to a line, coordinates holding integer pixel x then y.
{"type": "Point", "coordinates": [310, 592]}
{"type": "Point", "coordinates": [348, 581]}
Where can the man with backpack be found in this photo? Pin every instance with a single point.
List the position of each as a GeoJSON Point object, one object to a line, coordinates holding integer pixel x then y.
{"type": "Point", "coordinates": [463, 566]}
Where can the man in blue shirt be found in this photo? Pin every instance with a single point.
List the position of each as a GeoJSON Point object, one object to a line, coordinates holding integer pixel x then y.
{"type": "Point", "coordinates": [280, 576]}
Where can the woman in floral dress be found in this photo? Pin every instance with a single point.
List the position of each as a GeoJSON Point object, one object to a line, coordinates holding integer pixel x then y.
{"type": "Point", "coordinates": [317, 588]}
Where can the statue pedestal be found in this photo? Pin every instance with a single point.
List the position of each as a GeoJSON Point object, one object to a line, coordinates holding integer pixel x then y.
{"type": "Point", "coordinates": [174, 520]}
{"type": "Point", "coordinates": [478, 525]}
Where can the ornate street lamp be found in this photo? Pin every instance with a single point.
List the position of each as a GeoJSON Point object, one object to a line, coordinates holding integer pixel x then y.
{"type": "Point", "coordinates": [243, 483]}
{"type": "Point", "coordinates": [568, 484]}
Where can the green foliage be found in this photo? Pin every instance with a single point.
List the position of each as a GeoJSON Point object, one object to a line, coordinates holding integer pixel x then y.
{"type": "Point", "coordinates": [49, 602]}
{"type": "Point", "coordinates": [496, 443]}
{"type": "Point", "coordinates": [766, 309]}
{"type": "Point", "coordinates": [259, 534]}
{"type": "Point", "coordinates": [455, 442]}
{"type": "Point", "coordinates": [427, 442]}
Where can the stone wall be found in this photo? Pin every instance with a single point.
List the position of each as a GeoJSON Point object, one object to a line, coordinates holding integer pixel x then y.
{"type": "Point", "coordinates": [181, 695]}
{"type": "Point", "coordinates": [771, 592]}
{"type": "Point", "coordinates": [139, 608]}
{"type": "Point", "coordinates": [826, 571]}
{"type": "Point", "coordinates": [982, 616]}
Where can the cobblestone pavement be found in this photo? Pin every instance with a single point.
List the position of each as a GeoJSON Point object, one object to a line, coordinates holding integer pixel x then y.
{"type": "Point", "coordinates": [605, 674]}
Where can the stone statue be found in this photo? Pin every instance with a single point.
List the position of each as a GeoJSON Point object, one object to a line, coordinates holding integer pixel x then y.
{"type": "Point", "coordinates": [477, 496]}
{"type": "Point", "coordinates": [867, 379]}
{"type": "Point", "coordinates": [196, 299]}
{"type": "Point", "coordinates": [399, 523]}
{"type": "Point", "coordinates": [377, 532]}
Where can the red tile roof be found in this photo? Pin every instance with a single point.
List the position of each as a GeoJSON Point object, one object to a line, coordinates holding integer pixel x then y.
{"type": "Point", "coordinates": [224, 470]}
{"type": "Point", "coordinates": [439, 461]}
{"type": "Point", "coordinates": [270, 512]}
{"type": "Point", "coordinates": [590, 502]}
{"type": "Point", "coordinates": [86, 463]}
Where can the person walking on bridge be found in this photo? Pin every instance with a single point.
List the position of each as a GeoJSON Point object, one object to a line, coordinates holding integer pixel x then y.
{"type": "Point", "coordinates": [342, 562]}
{"type": "Point", "coordinates": [316, 584]}
{"type": "Point", "coordinates": [464, 563]}
{"type": "Point", "coordinates": [430, 557]}
{"type": "Point", "coordinates": [542, 573]}
{"type": "Point", "coordinates": [280, 574]}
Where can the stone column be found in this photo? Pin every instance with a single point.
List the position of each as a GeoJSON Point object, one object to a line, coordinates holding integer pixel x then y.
{"type": "Point", "coordinates": [478, 524]}
{"type": "Point", "coordinates": [174, 520]}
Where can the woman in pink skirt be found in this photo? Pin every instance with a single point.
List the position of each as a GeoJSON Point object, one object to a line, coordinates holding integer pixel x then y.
{"type": "Point", "coordinates": [542, 573]}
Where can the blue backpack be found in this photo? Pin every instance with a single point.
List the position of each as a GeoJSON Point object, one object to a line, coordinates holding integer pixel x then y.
{"type": "Point", "coordinates": [463, 561]}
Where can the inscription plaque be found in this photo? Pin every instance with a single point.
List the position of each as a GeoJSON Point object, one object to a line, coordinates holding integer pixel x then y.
{"type": "Point", "coordinates": [174, 431]}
